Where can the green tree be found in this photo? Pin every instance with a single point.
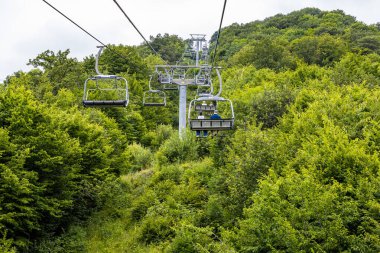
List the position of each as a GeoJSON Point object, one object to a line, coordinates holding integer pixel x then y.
{"type": "Point", "coordinates": [122, 59]}
{"type": "Point", "coordinates": [323, 50]}
{"type": "Point", "coordinates": [266, 53]}
{"type": "Point", "coordinates": [356, 69]}
{"type": "Point", "coordinates": [170, 47]}
{"type": "Point", "coordinates": [62, 71]}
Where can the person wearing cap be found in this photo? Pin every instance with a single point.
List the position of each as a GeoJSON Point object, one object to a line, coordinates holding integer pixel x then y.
{"type": "Point", "coordinates": [215, 115]}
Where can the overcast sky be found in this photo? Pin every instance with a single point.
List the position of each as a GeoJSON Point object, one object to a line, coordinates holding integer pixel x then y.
{"type": "Point", "coordinates": [29, 27]}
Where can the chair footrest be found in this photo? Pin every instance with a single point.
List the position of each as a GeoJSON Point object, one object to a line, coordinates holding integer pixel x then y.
{"type": "Point", "coordinates": [209, 124]}
{"type": "Point", "coordinates": [154, 104]}
{"type": "Point", "coordinates": [100, 103]}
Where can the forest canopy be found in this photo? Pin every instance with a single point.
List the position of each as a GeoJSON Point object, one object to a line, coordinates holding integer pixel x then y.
{"type": "Point", "coordinates": [300, 172]}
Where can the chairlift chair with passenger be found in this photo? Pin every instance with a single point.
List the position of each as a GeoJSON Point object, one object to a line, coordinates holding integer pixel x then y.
{"type": "Point", "coordinates": [214, 102]}
{"type": "Point", "coordinates": [222, 124]}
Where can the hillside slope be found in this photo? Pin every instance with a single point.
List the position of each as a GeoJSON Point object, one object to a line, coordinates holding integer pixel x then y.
{"type": "Point", "coordinates": [300, 172]}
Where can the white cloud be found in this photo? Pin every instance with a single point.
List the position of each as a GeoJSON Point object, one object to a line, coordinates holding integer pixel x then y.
{"type": "Point", "coordinates": [29, 27]}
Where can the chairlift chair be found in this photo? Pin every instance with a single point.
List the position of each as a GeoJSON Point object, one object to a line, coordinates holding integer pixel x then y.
{"type": "Point", "coordinates": [170, 86]}
{"type": "Point", "coordinates": [204, 83]}
{"type": "Point", "coordinates": [203, 76]}
{"type": "Point", "coordinates": [204, 55]}
{"type": "Point", "coordinates": [154, 97]}
{"type": "Point", "coordinates": [164, 78]}
{"type": "Point", "coordinates": [204, 107]}
{"type": "Point", "coordinates": [205, 90]}
{"type": "Point", "coordinates": [105, 90]}
{"type": "Point", "coordinates": [210, 124]}
{"type": "Point", "coordinates": [179, 73]}
{"type": "Point", "coordinates": [189, 53]}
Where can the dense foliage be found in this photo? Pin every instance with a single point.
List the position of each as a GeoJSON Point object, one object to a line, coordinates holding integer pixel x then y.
{"type": "Point", "coordinates": [300, 173]}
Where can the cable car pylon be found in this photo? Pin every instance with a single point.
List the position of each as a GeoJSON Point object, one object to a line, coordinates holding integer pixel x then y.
{"type": "Point", "coordinates": [198, 74]}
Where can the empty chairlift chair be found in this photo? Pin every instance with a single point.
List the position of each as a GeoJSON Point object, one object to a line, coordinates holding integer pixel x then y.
{"type": "Point", "coordinates": [204, 55]}
{"type": "Point", "coordinates": [205, 90]}
{"type": "Point", "coordinates": [170, 86]}
{"type": "Point", "coordinates": [179, 73]}
{"type": "Point", "coordinates": [164, 78]}
{"type": "Point", "coordinates": [154, 97]}
{"type": "Point", "coordinates": [204, 83]}
{"type": "Point", "coordinates": [203, 76]}
{"type": "Point", "coordinates": [105, 90]}
{"type": "Point", "coordinates": [189, 53]}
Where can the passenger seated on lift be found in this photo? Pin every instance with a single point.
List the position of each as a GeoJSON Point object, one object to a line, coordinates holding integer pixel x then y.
{"type": "Point", "coordinates": [198, 132]}
{"type": "Point", "coordinates": [214, 117]}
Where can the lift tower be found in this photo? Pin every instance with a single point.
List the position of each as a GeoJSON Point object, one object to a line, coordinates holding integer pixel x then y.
{"type": "Point", "coordinates": [197, 41]}
{"type": "Point", "coordinates": [182, 75]}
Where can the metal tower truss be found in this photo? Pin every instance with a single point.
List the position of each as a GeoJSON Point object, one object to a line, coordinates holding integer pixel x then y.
{"type": "Point", "coordinates": [184, 74]}
{"type": "Point", "coordinates": [181, 76]}
{"type": "Point", "coordinates": [196, 52]}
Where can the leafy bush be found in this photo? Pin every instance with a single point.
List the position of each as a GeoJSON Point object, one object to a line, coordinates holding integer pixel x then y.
{"type": "Point", "coordinates": [177, 149]}
{"type": "Point", "coordinates": [189, 239]}
{"type": "Point", "coordinates": [137, 157]}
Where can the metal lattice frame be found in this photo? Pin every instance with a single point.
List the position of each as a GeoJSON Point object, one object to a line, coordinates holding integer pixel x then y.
{"type": "Point", "coordinates": [180, 76]}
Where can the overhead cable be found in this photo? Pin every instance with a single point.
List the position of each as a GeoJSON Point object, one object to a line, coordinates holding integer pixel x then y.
{"type": "Point", "coordinates": [130, 21]}
{"type": "Point", "coordinates": [75, 23]}
{"type": "Point", "coordinates": [84, 30]}
{"type": "Point", "coordinates": [217, 38]}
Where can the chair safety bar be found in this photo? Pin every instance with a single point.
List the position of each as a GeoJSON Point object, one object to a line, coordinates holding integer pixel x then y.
{"type": "Point", "coordinates": [211, 124]}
